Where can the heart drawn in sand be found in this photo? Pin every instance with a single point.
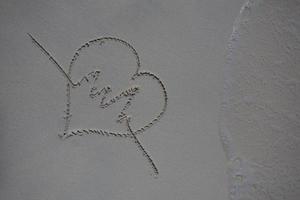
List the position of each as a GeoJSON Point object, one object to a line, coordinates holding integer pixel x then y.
{"type": "Point", "coordinates": [108, 94]}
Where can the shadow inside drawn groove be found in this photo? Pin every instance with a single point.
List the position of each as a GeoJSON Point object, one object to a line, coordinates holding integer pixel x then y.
{"type": "Point", "coordinates": [103, 96]}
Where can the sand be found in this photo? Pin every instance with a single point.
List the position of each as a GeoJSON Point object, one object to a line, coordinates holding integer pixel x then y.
{"type": "Point", "coordinates": [124, 100]}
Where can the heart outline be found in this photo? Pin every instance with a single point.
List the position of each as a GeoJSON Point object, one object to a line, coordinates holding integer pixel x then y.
{"type": "Point", "coordinates": [132, 134]}
{"type": "Point", "coordinates": [137, 74]}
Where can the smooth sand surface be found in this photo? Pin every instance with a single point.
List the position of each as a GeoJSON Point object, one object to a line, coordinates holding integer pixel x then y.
{"type": "Point", "coordinates": [181, 42]}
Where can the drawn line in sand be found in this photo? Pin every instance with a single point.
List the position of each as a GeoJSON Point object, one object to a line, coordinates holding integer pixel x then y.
{"type": "Point", "coordinates": [95, 92]}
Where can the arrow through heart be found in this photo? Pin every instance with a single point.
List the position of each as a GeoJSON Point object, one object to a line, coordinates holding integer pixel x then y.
{"type": "Point", "coordinates": [101, 91]}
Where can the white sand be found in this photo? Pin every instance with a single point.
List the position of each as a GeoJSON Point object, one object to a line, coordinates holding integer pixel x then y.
{"type": "Point", "coordinates": [260, 118]}
{"type": "Point", "coordinates": [183, 43]}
